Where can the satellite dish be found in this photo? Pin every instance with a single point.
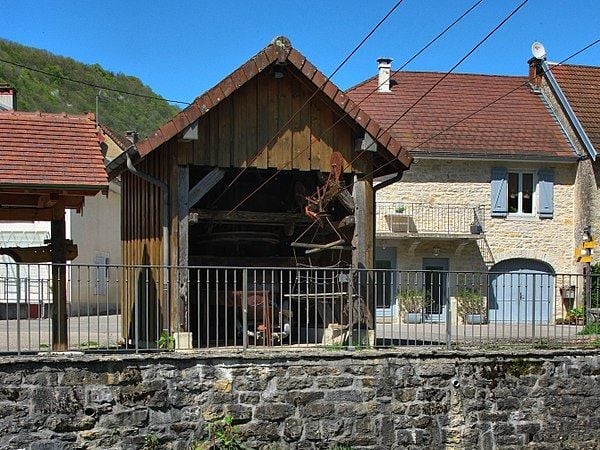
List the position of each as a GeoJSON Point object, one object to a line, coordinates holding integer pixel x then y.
{"type": "Point", "coordinates": [538, 50]}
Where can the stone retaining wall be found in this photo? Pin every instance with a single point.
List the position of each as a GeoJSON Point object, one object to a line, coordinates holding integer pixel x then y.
{"type": "Point", "coordinates": [309, 400]}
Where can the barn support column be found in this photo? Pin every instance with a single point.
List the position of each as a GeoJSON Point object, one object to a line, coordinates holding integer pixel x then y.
{"type": "Point", "coordinates": [60, 340]}
{"type": "Point", "coordinates": [181, 307]}
{"type": "Point", "coordinates": [186, 198]}
{"type": "Point", "coordinates": [363, 252]}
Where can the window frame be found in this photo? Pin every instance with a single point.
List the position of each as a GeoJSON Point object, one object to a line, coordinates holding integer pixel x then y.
{"type": "Point", "coordinates": [534, 192]}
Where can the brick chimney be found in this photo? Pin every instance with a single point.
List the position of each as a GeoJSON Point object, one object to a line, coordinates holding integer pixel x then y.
{"type": "Point", "coordinates": [132, 136]}
{"type": "Point", "coordinates": [384, 65]}
{"type": "Point", "coordinates": [535, 72]}
{"type": "Point", "coordinates": [8, 97]}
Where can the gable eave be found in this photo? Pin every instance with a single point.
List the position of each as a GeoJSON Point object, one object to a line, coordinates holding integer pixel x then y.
{"type": "Point", "coordinates": [279, 50]}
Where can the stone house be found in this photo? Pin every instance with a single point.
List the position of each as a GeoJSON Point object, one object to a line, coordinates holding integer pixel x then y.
{"type": "Point", "coordinates": [495, 188]}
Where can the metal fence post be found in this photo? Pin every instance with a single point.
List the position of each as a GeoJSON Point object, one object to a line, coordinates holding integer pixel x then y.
{"type": "Point", "coordinates": [18, 308]}
{"type": "Point", "coordinates": [351, 308]}
{"type": "Point", "coordinates": [448, 316]}
{"type": "Point", "coordinates": [245, 308]}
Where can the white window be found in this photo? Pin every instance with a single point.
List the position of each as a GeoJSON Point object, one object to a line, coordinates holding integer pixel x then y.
{"type": "Point", "coordinates": [520, 193]}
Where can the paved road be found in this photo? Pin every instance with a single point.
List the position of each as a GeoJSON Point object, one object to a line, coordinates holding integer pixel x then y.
{"type": "Point", "coordinates": [104, 332]}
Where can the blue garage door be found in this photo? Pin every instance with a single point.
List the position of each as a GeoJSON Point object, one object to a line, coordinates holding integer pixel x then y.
{"type": "Point", "coordinates": [521, 291]}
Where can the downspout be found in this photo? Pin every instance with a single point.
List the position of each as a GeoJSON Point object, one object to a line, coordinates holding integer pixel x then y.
{"type": "Point", "coordinates": [389, 181]}
{"type": "Point", "coordinates": [165, 223]}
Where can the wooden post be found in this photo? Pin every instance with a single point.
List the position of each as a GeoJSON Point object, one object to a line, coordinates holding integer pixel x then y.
{"type": "Point", "coordinates": [363, 253]}
{"type": "Point", "coordinates": [181, 312]}
{"type": "Point", "coordinates": [60, 340]}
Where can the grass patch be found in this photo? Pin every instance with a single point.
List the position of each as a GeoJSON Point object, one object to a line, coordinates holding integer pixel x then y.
{"type": "Point", "coordinates": [590, 328]}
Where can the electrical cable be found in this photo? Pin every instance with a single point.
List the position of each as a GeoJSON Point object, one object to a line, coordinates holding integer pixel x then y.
{"type": "Point", "coordinates": [488, 105]}
{"type": "Point", "coordinates": [285, 125]}
{"type": "Point", "coordinates": [86, 83]}
{"type": "Point", "coordinates": [469, 53]}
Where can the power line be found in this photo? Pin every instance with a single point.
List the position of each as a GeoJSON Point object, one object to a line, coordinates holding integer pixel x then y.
{"type": "Point", "coordinates": [284, 126]}
{"type": "Point", "coordinates": [469, 53]}
{"type": "Point", "coordinates": [491, 103]}
{"type": "Point", "coordinates": [86, 83]}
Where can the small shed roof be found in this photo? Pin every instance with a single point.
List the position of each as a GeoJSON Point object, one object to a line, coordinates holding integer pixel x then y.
{"type": "Point", "coordinates": [465, 115]}
{"type": "Point", "coordinates": [390, 154]}
{"type": "Point", "coordinates": [48, 162]}
{"type": "Point", "coordinates": [40, 150]}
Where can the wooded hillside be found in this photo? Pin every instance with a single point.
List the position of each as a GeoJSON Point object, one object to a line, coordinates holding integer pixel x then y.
{"type": "Point", "coordinates": [40, 92]}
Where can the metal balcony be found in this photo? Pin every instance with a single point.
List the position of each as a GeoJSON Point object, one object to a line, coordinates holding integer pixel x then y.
{"type": "Point", "coordinates": [424, 220]}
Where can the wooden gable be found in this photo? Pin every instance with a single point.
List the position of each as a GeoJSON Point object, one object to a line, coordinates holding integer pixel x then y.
{"type": "Point", "coordinates": [272, 121]}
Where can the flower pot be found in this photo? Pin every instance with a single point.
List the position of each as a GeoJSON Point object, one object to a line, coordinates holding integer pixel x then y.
{"type": "Point", "coordinates": [413, 317]}
{"type": "Point", "coordinates": [475, 319]}
{"type": "Point", "coordinates": [476, 228]}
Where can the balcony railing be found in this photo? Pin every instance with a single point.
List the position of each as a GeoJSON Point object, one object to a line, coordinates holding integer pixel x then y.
{"type": "Point", "coordinates": [421, 218]}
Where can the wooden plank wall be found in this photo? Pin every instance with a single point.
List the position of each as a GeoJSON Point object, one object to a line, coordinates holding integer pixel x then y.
{"type": "Point", "coordinates": [141, 231]}
{"type": "Point", "coordinates": [241, 129]}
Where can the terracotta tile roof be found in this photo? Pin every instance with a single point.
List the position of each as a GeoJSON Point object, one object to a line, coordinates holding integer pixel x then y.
{"type": "Point", "coordinates": [38, 149]}
{"type": "Point", "coordinates": [279, 50]}
{"type": "Point", "coordinates": [581, 86]}
{"type": "Point", "coordinates": [118, 139]}
{"type": "Point", "coordinates": [519, 125]}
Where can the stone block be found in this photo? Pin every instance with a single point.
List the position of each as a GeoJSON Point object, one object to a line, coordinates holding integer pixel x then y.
{"type": "Point", "coordinates": [274, 411]}
{"type": "Point", "coordinates": [183, 341]}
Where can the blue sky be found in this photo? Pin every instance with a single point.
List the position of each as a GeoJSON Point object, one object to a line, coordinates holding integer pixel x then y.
{"type": "Point", "coordinates": [181, 48]}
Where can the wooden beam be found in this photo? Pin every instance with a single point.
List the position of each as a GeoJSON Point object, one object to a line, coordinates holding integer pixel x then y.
{"type": "Point", "coordinates": [43, 200]}
{"type": "Point", "coordinates": [59, 279]}
{"type": "Point", "coordinates": [268, 218]}
{"type": "Point", "coordinates": [205, 185]}
{"type": "Point", "coordinates": [180, 315]}
{"type": "Point", "coordinates": [363, 254]}
{"type": "Point", "coordinates": [26, 214]}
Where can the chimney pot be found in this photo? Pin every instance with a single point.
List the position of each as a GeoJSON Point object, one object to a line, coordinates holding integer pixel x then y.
{"type": "Point", "coordinates": [8, 97]}
{"type": "Point", "coordinates": [132, 136]}
{"type": "Point", "coordinates": [535, 73]}
{"type": "Point", "coordinates": [384, 65]}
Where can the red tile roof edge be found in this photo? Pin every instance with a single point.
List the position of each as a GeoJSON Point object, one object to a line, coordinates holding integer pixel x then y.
{"type": "Point", "coordinates": [279, 49]}
{"type": "Point", "coordinates": [121, 141]}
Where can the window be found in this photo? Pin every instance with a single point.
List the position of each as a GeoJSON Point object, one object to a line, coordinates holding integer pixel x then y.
{"type": "Point", "coordinates": [520, 193]}
{"type": "Point", "coordinates": [513, 193]}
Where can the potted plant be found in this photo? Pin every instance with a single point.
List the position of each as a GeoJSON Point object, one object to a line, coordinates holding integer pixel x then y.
{"type": "Point", "coordinates": [412, 303]}
{"type": "Point", "coordinates": [471, 306]}
{"type": "Point", "coordinates": [577, 315]}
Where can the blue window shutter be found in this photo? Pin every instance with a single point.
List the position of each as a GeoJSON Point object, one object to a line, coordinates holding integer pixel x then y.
{"type": "Point", "coordinates": [546, 193]}
{"type": "Point", "coordinates": [499, 190]}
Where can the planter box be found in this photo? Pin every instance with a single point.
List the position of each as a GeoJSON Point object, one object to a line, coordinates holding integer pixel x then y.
{"type": "Point", "coordinates": [400, 223]}
{"type": "Point", "coordinates": [412, 318]}
{"type": "Point", "coordinates": [475, 319]}
{"type": "Point", "coordinates": [476, 228]}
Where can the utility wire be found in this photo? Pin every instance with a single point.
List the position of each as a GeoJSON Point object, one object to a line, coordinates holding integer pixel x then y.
{"type": "Point", "coordinates": [469, 53]}
{"type": "Point", "coordinates": [285, 125]}
{"type": "Point", "coordinates": [86, 83]}
{"type": "Point", "coordinates": [489, 104]}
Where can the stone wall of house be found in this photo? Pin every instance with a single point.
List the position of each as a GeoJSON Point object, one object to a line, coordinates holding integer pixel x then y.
{"type": "Point", "coordinates": [462, 182]}
{"type": "Point", "coordinates": [309, 400]}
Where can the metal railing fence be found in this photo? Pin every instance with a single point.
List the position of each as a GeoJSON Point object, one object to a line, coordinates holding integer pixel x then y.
{"type": "Point", "coordinates": [422, 218]}
{"type": "Point", "coordinates": [153, 308]}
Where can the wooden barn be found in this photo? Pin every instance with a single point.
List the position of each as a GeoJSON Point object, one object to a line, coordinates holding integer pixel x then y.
{"type": "Point", "coordinates": [239, 176]}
